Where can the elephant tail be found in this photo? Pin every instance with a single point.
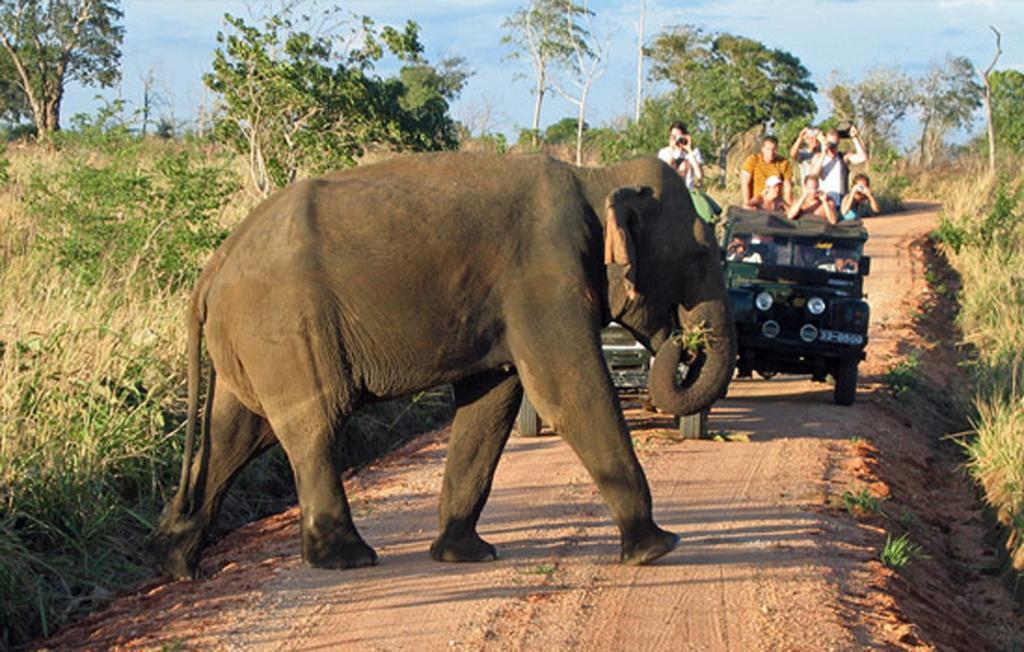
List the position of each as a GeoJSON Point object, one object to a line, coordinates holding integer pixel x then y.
{"type": "Point", "coordinates": [194, 352]}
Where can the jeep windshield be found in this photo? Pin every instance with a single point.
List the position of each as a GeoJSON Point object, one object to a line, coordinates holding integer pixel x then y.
{"type": "Point", "coordinates": [809, 253]}
{"type": "Point", "coordinates": [809, 243]}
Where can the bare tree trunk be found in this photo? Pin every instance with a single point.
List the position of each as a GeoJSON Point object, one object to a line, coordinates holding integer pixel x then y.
{"type": "Point", "coordinates": [541, 83]}
{"type": "Point", "coordinates": [581, 118]}
{"type": "Point", "coordinates": [640, 62]}
{"type": "Point", "coordinates": [988, 102]}
{"type": "Point", "coordinates": [924, 140]}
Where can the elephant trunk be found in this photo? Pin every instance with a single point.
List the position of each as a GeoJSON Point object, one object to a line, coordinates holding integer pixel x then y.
{"type": "Point", "coordinates": [709, 369]}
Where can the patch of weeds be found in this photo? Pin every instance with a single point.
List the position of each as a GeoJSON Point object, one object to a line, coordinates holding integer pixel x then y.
{"type": "Point", "coordinates": [547, 570]}
{"type": "Point", "coordinates": [862, 502]}
{"type": "Point", "coordinates": [857, 440]}
{"type": "Point", "coordinates": [173, 645]}
{"type": "Point", "coordinates": [899, 552]}
{"type": "Point", "coordinates": [904, 376]}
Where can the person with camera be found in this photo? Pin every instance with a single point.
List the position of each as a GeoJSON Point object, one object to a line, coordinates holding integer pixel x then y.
{"type": "Point", "coordinates": [767, 163]}
{"type": "Point", "coordinates": [814, 201]}
{"type": "Point", "coordinates": [770, 198]}
{"type": "Point", "coordinates": [860, 202]}
{"type": "Point", "coordinates": [682, 155]}
{"type": "Point", "coordinates": [833, 166]}
{"type": "Point", "coordinates": [804, 150]}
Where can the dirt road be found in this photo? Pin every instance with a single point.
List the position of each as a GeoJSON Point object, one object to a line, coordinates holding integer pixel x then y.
{"type": "Point", "coordinates": [764, 562]}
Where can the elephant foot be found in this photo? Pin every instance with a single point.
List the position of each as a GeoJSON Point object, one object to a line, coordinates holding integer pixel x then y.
{"type": "Point", "coordinates": [463, 548]}
{"type": "Point", "coordinates": [648, 547]}
{"type": "Point", "coordinates": [338, 555]}
{"type": "Point", "coordinates": [173, 551]}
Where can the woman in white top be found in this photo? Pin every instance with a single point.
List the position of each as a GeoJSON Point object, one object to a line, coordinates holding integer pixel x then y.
{"type": "Point", "coordinates": [682, 155]}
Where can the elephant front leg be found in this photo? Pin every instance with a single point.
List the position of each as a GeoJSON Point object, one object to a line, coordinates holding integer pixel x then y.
{"type": "Point", "coordinates": [486, 408]}
{"type": "Point", "coordinates": [565, 375]}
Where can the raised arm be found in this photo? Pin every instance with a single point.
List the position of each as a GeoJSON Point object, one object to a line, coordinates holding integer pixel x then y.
{"type": "Point", "coordinates": [846, 204]}
{"type": "Point", "coordinates": [795, 149]}
{"type": "Point", "coordinates": [874, 202]}
{"type": "Point", "coordinates": [861, 154]}
{"type": "Point", "coordinates": [793, 211]}
{"type": "Point", "coordinates": [830, 210]}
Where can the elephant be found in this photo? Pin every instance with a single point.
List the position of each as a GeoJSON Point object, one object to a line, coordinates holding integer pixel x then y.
{"type": "Point", "coordinates": [492, 273]}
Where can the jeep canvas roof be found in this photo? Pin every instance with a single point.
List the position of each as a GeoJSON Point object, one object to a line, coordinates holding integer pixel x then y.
{"type": "Point", "coordinates": [744, 220]}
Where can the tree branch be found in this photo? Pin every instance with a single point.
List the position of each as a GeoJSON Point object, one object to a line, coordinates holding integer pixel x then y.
{"type": "Point", "coordinates": [999, 52]}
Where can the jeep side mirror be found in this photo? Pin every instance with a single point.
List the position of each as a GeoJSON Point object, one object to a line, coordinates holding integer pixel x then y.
{"type": "Point", "coordinates": [865, 265]}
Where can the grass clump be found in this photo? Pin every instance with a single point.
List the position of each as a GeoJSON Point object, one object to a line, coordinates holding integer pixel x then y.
{"type": "Point", "coordinates": [903, 376]}
{"type": "Point", "coordinates": [898, 552]}
{"type": "Point", "coordinates": [862, 502]}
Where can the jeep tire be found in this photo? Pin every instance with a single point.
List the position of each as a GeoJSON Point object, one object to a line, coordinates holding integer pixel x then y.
{"type": "Point", "coordinates": [528, 421]}
{"type": "Point", "coordinates": [846, 381]}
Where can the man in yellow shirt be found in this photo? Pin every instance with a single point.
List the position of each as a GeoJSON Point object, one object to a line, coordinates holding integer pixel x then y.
{"type": "Point", "coordinates": [758, 167]}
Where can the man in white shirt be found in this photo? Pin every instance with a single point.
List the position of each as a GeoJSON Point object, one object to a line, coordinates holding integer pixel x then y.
{"type": "Point", "coordinates": [682, 155]}
{"type": "Point", "coordinates": [833, 166]}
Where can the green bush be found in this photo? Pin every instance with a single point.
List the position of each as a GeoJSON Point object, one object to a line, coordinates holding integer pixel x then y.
{"type": "Point", "coordinates": [126, 222]}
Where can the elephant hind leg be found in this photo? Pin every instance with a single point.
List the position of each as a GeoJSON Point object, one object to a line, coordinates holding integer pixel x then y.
{"type": "Point", "coordinates": [329, 537]}
{"type": "Point", "coordinates": [237, 435]}
{"type": "Point", "coordinates": [486, 408]}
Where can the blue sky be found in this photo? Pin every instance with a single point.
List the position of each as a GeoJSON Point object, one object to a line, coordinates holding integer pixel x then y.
{"type": "Point", "coordinates": [176, 40]}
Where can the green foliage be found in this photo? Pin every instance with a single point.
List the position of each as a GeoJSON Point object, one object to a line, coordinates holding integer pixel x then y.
{"type": "Point", "coordinates": [53, 42]}
{"type": "Point", "coordinates": [1007, 117]}
{"type": "Point", "coordinates": [121, 221]}
{"type": "Point", "coordinates": [650, 133]}
{"type": "Point", "coordinates": [904, 376]}
{"type": "Point", "coordinates": [563, 131]}
{"type": "Point", "coordinates": [731, 83]}
{"type": "Point", "coordinates": [295, 99]}
{"type": "Point", "coordinates": [862, 502]}
{"type": "Point", "coordinates": [899, 552]}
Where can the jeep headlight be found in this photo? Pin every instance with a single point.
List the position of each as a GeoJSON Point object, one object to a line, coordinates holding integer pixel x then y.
{"type": "Point", "coordinates": [808, 333]}
{"type": "Point", "coordinates": [815, 305]}
{"type": "Point", "coordinates": [764, 301]}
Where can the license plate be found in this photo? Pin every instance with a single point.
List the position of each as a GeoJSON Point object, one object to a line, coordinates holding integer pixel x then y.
{"type": "Point", "coordinates": [840, 337]}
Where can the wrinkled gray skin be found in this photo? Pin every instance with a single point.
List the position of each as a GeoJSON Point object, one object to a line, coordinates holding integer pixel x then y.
{"type": "Point", "coordinates": [482, 271]}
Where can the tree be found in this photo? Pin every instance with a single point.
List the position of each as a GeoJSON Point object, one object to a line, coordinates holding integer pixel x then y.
{"type": "Point", "coordinates": [947, 98]}
{"type": "Point", "coordinates": [582, 67]}
{"type": "Point", "coordinates": [50, 43]}
{"type": "Point", "coordinates": [540, 33]}
{"type": "Point", "coordinates": [296, 93]}
{"type": "Point", "coordinates": [1007, 100]}
{"type": "Point", "coordinates": [985, 76]}
{"type": "Point", "coordinates": [732, 83]}
{"type": "Point", "coordinates": [877, 103]}
{"type": "Point", "coordinates": [638, 108]}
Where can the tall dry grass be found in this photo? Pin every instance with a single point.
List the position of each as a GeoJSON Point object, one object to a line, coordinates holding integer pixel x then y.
{"type": "Point", "coordinates": [982, 229]}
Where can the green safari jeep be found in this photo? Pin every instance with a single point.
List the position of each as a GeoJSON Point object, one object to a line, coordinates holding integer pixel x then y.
{"type": "Point", "coordinates": [796, 289]}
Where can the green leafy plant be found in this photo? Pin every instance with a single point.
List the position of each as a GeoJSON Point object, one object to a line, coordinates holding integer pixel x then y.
{"type": "Point", "coordinates": [898, 552]}
{"type": "Point", "coordinates": [125, 221]}
{"type": "Point", "coordinates": [904, 376]}
{"type": "Point", "coordinates": [862, 502]}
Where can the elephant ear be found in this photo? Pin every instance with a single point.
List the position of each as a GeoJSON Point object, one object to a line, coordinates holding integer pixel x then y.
{"type": "Point", "coordinates": [622, 210]}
